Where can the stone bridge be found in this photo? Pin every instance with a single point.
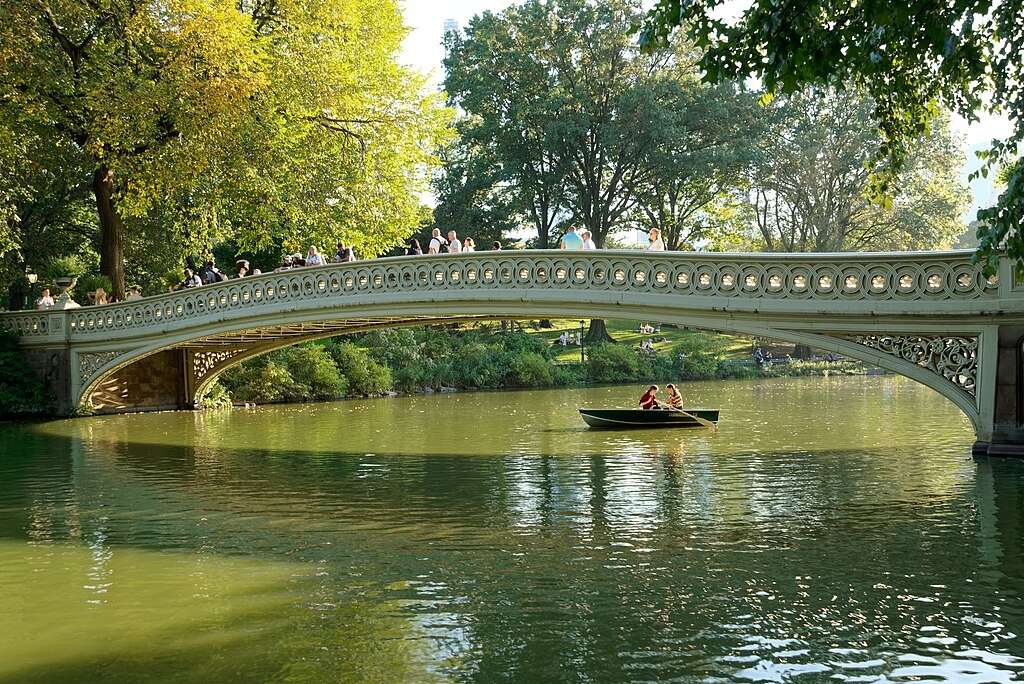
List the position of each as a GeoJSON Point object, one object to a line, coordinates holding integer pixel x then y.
{"type": "Point", "coordinates": [931, 316]}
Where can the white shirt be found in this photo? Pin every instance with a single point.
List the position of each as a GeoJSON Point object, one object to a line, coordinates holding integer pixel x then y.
{"type": "Point", "coordinates": [315, 259]}
{"type": "Point", "coordinates": [589, 244]}
{"type": "Point", "coordinates": [657, 246]}
{"type": "Point", "coordinates": [44, 303]}
{"type": "Point", "coordinates": [435, 245]}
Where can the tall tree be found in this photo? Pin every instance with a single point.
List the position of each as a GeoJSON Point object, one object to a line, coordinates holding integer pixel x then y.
{"type": "Point", "coordinates": [704, 140]}
{"type": "Point", "coordinates": [809, 185]}
{"type": "Point", "coordinates": [256, 116]}
{"type": "Point", "coordinates": [912, 59]}
{"type": "Point", "coordinates": [501, 75]}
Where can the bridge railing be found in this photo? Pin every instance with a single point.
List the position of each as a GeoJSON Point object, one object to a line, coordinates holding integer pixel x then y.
{"type": "Point", "coordinates": [916, 278]}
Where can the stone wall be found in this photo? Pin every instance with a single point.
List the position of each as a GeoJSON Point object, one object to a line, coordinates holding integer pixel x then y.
{"type": "Point", "coordinates": [152, 383]}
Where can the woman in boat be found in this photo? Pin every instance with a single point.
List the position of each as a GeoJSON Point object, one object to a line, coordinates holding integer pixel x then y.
{"type": "Point", "coordinates": [650, 398]}
{"type": "Point", "coordinates": [675, 399]}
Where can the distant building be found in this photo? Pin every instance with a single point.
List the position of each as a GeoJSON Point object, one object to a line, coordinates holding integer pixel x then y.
{"type": "Point", "coordinates": [450, 25]}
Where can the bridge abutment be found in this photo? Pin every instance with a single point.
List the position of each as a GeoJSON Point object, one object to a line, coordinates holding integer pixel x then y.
{"type": "Point", "coordinates": [1007, 434]}
{"type": "Point", "coordinates": [154, 383]}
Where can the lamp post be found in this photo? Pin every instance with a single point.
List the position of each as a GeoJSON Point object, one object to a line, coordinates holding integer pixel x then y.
{"type": "Point", "coordinates": [30, 301]}
{"type": "Point", "coordinates": [582, 360]}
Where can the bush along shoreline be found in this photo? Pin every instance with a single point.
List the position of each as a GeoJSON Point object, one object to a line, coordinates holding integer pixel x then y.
{"type": "Point", "coordinates": [406, 361]}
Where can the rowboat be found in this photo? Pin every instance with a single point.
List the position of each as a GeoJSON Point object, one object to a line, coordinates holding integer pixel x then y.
{"type": "Point", "coordinates": [646, 418]}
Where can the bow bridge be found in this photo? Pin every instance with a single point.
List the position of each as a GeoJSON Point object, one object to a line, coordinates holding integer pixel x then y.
{"type": "Point", "coordinates": [930, 316]}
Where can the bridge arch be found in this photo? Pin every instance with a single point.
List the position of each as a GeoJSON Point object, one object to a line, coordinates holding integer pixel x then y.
{"type": "Point", "coordinates": [930, 316]}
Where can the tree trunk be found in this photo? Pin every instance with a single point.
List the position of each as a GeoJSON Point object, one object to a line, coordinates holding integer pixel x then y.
{"type": "Point", "coordinates": [111, 230]}
{"type": "Point", "coordinates": [598, 332]}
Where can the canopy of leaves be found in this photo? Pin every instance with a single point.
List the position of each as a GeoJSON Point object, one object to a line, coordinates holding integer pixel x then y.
{"type": "Point", "coordinates": [269, 121]}
{"type": "Point", "coordinates": [808, 182]}
{"type": "Point", "coordinates": [911, 58]}
{"type": "Point", "coordinates": [566, 120]}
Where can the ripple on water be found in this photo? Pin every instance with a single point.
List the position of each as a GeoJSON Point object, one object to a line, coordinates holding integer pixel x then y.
{"type": "Point", "coordinates": [827, 531]}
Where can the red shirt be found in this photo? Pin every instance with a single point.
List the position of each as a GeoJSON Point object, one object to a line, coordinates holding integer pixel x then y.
{"type": "Point", "coordinates": [649, 400]}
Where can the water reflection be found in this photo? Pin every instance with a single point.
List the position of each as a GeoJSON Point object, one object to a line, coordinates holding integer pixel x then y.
{"type": "Point", "coordinates": [361, 541]}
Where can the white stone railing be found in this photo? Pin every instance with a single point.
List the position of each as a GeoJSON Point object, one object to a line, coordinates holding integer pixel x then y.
{"type": "Point", "coordinates": [914, 280]}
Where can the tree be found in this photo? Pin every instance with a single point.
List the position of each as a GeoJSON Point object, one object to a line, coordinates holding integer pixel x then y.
{"type": "Point", "coordinates": [704, 140]}
{"type": "Point", "coordinates": [910, 58]}
{"type": "Point", "coordinates": [808, 186]}
{"type": "Point", "coordinates": [501, 74]}
{"type": "Point", "coordinates": [257, 117]}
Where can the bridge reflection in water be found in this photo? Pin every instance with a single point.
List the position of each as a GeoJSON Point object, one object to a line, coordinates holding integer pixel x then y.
{"type": "Point", "coordinates": [931, 316]}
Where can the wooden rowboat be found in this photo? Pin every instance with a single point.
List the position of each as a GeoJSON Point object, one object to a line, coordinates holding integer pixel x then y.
{"type": "Point", "coordinates": [646, 418]}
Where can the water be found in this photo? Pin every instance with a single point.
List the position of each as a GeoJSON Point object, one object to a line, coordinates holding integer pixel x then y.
{"type": "Point", "coordinates": [831, 530]}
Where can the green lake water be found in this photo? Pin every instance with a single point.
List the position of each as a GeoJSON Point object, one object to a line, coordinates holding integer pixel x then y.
{"type": "Point", "coordinates": [831, 530]}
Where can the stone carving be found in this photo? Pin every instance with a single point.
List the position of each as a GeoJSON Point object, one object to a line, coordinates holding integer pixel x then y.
{"type": "Point", "coordinates": [953, 358]}
{"type": "Point", "coordinates": [89, 363]}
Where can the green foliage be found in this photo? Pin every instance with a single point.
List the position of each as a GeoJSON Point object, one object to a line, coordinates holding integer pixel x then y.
{"type": "Point", "coordinates": [809, 183]}
{"type": "Point", "coordinates": [530, 370]}
{"type": "Point", "coordinates": [179, 124]}
{"type": "Point", "coordinates": [313, 369]}
{"type": "Point", "coordinates": [217, 396]}
{"type": "Point", "coordinates": [911, 59]}
{"type": "Point", "coordinates": [69, 266]}
{"type": "Point", "coordinates": [364, 375]}
{"type": "Point", "coordinates": [261, 380]}
{"type": "Point", "coordinates": [22, 393]}
{"type": "Point", "coordinates": [612, 363]}
{"type": "Point", "coordinates": [697, 356]}
{"type": "Point", "coordinates": [561, 108]}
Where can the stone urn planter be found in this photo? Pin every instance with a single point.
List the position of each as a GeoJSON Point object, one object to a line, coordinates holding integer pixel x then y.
{"type": "Point", "coordinates": [65, 301]}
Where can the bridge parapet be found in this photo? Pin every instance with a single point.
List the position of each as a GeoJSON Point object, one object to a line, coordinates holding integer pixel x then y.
{"type": "Point", "coordinates": [909, 283]}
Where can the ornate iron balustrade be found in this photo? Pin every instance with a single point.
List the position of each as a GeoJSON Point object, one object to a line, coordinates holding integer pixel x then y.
{"type": "Point", "coordinates": [916, 282]}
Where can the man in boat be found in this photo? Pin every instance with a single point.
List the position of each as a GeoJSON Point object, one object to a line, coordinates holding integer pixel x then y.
{"type": "Point", "coordinates": [675, 398]}
{"type": "Point", "coordinates": [650, 398]}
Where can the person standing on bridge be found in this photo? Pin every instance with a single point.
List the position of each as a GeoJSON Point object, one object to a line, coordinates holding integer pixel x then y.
{"type": "Point", "coordinates": [453, 242]}
{"type": "Point", "coordinates": [657, 244]}
{"type": "Point", "coordinates": [191, 280]}
{"type": "Point", "coordinates": [343, 254]}
{"type": "Point", "coordinates": [45, 301]}
{"type": "Point", "coordinates": [588, 242]}
{"type": "Point", "coordinates": [571, 240]}
{"type": "Point", "coordinates": [438, 245]}
{"type": "Point", "coordinates": [314, 257]}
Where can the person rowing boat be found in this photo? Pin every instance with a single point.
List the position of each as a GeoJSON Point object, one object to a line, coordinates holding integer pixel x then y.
{"type": "Point", "coordinates": [650, 398]}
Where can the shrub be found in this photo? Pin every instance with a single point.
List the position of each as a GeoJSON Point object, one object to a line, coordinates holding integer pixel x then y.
{"type": "Point", "coordinates": [312, 366]}
{"type": "Point", "coordinates": [697, 357]}
{"type": "Point", "coordinates": [393, 347]}
{"type": "Point", "coordinates": [612, 363]}
{"type": "Point", "coordinates": [530, 370]}
{"type": "Point", "coordinates": [363, 374]}
{"type": "Point", "coordinates": [264, 379]}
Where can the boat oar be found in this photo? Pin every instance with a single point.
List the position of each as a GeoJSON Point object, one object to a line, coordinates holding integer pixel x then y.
{"type": "Point", "coordinates": [703, 421]}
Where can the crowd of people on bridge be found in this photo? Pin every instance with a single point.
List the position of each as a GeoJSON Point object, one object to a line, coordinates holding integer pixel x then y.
{"type": "Point", "coordinates": [209, 273]}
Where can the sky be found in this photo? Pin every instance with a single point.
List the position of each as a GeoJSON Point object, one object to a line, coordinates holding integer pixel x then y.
{"type": "Point", "coordinates": [423, 51]}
